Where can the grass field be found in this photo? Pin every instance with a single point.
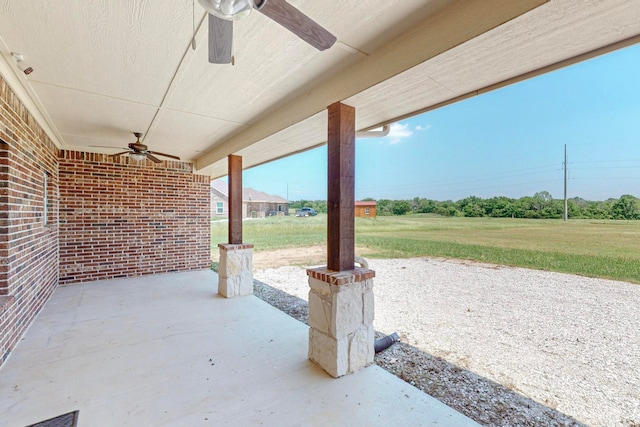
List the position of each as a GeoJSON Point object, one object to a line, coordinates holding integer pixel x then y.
{"type": "Point", "coordinates": [596, 248]}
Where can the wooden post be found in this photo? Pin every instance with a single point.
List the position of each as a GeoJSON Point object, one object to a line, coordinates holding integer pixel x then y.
{"type": "Point", "coordinates": [235, 199]}
{"type": "Point", "coordinates": [235, 272]}
{"type": "Point", "coordinates": [341, 187]}
{"type": "Point", "coordinates": [341, 303]}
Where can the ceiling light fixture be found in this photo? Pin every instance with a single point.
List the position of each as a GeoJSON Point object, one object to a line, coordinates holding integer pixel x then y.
{"type": "Point", "coordinates": [138, 157]}
{"type": "Point", "coordinates": [229, 10]}
{"type": "Point", "coordinates": [23, 66]}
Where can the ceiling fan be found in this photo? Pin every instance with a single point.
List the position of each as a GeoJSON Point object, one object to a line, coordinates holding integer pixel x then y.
{"type": "Point", "coordinates": [222, 13]}
{"type": "Point", "coordinates": [138, 151]}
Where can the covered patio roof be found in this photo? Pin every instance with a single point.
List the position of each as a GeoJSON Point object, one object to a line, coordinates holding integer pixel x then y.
{"type": "Point", "coordinates": [104, 69]}
{"type": "Point", "coordinates": [168, 350]}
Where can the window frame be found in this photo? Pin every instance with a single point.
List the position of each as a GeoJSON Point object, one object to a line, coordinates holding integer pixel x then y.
{"type": "Point", "coordinates": [45, 198]}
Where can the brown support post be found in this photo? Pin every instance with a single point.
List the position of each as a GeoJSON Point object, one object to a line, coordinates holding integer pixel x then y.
{"type": "Point", "coordinates": [235, 199]}
{"type": "Point", "coordinates": [235, 271]}
{"type": "Point", "coordinates": [341, 187]}
{"type": "Point", "coordinates": [341, 334]}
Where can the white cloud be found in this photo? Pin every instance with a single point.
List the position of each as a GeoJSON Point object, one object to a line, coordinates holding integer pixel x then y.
{"type": "Point", "coordinates": [420, 127]}
{"type": "Point", "coordinates": [398, 132]}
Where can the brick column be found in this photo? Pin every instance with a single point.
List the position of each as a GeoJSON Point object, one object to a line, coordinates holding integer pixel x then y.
{"type": "Point", "coordinates": [341, 334]}
{"type": "Point", "coordinates": [235, 271]}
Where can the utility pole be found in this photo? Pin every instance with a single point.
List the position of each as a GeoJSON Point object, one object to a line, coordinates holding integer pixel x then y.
{"type": "Point", "coordinates": [566, 210]}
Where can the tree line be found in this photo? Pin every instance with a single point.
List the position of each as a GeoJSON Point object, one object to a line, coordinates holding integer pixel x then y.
{"type": "Point", "coordinates": [541, 205]}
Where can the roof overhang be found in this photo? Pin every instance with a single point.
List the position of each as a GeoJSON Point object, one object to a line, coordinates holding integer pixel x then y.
{"type": "Point", "coordinates": [105, 69]}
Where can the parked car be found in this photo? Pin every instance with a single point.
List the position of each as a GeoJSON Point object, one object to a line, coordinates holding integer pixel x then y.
{"type": "Point", "coordinates": [306, 212]}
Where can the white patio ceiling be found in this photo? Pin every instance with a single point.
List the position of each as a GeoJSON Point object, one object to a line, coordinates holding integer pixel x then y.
{"type": "Point", "coordinates": [106, 68]}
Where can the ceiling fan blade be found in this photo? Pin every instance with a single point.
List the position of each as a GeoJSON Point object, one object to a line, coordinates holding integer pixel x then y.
{"type": "Point", "coordinates": [298, 23]}
{"type": "Point", "coordinates": [106, 146]}
{"type": "Point", "coordinates": [119, 154]}
{"type": "Point", "coordinates": [153, 158]}
{"type": "Point", "coordinates": [165, 155]}
{"type": "Point", "coordinates": [220, 40]}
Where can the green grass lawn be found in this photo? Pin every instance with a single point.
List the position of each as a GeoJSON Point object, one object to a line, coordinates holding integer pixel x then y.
{"type": "Point", "coordinates": [596, 248]}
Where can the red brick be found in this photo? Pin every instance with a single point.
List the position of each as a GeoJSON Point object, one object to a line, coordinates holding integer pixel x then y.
{"type": "Point", "coordinates": [107, 217]}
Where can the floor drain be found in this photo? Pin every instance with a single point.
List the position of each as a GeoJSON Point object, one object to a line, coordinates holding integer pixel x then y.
{"type": "Point", "coordinates": [66, 420]}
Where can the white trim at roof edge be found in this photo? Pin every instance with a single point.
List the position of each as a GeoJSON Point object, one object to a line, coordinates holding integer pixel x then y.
{"type": "Point", "coordinates": [8, 71]}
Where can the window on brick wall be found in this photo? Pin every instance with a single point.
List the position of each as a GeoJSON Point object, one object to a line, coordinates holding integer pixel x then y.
{"type": "Point", "coordinates": [279, 208]}
{"type": "Point", "coordinates": [45, 201]}
{"type": "Point", "coordinates": [366, 211]}
{"type": "Point", "coordinates": [47, 198]}
{"type": "Point", "coordinates": [219, 208]}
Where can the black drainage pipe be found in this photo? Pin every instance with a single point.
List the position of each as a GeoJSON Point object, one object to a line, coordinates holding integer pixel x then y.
{"type": "Point", "coordinates": [386, 342]}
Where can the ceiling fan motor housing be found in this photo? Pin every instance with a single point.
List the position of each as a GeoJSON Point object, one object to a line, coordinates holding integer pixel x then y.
{"type": "Point", "coordinates": [138, 147]}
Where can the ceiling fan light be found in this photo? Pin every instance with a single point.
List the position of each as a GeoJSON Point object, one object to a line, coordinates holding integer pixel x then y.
{"type": "Point", "coordinates": [229, 10]}
{"type": "Point", "coordinates": [138, 157]}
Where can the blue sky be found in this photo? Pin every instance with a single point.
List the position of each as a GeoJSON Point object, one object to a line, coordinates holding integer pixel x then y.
{"type": "Point", "coordinates": [509, 142]}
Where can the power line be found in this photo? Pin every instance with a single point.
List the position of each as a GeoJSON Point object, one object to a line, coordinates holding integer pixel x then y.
{"type": "Point", "coordinates": [448, 182]}
{"type": "Point", "coordinates": [409, 194]}
{"type": "Point", "coordinates": [608, 167]}
{"type": "Point", "coordinates": [607, 161]}
{"type": "Point", "coordinates": [504, 179]}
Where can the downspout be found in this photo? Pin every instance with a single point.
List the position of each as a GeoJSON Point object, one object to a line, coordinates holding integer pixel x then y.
{"type": "Point", "coordinates": [374, 133]}
{"type": "Point", "coordinates": [384, 342]}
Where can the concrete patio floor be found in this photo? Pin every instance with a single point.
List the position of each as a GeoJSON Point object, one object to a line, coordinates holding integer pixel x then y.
{"type": "Point", "coordinates": [166, 350]}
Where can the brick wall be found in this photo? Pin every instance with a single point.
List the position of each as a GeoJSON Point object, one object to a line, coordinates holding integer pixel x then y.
{"type": "Point", "coordinates": [68, 217]}
{"type": "Point", "coordinates": [28, 245]}
{"type": "Point", "coordinates": [121, 218]}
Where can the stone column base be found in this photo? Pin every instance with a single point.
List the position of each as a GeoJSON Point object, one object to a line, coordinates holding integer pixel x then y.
{"type": "Point", "coordinates": [341, 335]}
{"type": "Point", "coordinates": [235, 271]}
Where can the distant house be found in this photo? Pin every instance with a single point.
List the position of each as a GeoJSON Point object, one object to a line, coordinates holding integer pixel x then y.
{"type": "Point", "coordinates": [255, 204]}
{"type": "Point", "coordinates": [365, 209]}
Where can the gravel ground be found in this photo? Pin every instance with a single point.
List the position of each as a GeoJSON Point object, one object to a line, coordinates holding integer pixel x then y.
{"type": "Point", "coordinates": [505, 346]}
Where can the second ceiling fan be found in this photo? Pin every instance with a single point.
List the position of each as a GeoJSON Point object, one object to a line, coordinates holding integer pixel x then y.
{"type": "Point", "coordinates": [139, 152]}
{"type": "Point", "coordinates": [222, 13]}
